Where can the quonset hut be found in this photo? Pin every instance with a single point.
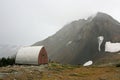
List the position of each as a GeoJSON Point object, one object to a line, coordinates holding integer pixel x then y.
{"type": "Point", "coordinates": [33, 55]}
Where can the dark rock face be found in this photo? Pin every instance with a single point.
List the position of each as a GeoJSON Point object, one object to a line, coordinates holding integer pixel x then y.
{"type": "Point", "coordinates": [77, 42]}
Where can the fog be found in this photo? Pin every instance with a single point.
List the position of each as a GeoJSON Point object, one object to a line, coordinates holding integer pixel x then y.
{"type": "Point", "coordinates": [24, 22]}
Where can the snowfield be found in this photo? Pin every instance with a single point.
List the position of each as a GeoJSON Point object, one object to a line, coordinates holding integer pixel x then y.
{"type": "Point", "coordinates": [69, 43]}
{"type": "Point", "coordinates": [88, 63]}
{"type": "Point", "coordinates": [112, 47]}
{"type": "Point", "coordinates": [100, 41]}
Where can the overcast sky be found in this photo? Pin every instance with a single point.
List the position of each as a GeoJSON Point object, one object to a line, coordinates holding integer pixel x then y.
{"type": "Point", "coordinates": [24, 22]}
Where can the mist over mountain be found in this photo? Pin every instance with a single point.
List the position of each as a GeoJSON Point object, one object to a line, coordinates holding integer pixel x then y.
{"type": "Point", "coordinates": [7, 50]}
{"type": "Point", "coordinates": [77, 42]}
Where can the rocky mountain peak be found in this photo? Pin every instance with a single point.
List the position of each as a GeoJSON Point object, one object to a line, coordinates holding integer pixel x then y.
{"type": "Point", "coordinates": [77, 42]}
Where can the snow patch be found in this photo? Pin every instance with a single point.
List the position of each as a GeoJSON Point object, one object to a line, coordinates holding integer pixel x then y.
{"type": "Point", "coordinates": [112, 47]}
{"type": "Point", "coordinates": [69, 43]}
{"type": "Point", "coordinates": [100, 41]}
{"type": "Point", "coordinates": [88, 63]}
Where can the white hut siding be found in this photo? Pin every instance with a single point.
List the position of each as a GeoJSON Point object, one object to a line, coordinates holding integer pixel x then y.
{"type": "Point", "coordinates": [28, 55]}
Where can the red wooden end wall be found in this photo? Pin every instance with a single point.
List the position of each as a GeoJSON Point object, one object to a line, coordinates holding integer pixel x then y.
{"type": "Point", "coordinates": [43, 58]}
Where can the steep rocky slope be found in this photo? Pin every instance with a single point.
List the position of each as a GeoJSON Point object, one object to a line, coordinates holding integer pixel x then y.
{"type": "Point", "coordinates": [77, 42]}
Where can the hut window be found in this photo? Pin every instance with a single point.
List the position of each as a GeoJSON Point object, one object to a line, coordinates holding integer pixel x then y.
{"type": "Point", "coordinates": [43, 55]}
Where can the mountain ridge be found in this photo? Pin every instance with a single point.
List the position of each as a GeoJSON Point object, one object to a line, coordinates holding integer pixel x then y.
{"type": "Point", "coordinates": [77, 42]}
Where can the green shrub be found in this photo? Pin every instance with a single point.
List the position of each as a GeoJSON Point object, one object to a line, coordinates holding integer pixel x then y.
{"type": "Point", "coordinates": [7, 61]}
{"type": "Point", "coordinates": [118, 65]}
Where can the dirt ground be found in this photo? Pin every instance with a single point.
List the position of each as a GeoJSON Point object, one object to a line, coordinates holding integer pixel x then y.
{"type": "Point", "coordinates": [55, 71]}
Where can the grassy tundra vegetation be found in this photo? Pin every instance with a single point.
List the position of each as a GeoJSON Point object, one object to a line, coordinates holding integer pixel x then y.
{"type": "Point", "coordinates": [56, 71]}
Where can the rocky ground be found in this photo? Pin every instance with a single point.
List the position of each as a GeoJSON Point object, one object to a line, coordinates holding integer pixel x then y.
{"type": "Point", "coordinates": [54, 71]}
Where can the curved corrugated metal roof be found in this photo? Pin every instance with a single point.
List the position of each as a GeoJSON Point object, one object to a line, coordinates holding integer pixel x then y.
{"type": "Point", "coordinates": [28, 55]}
